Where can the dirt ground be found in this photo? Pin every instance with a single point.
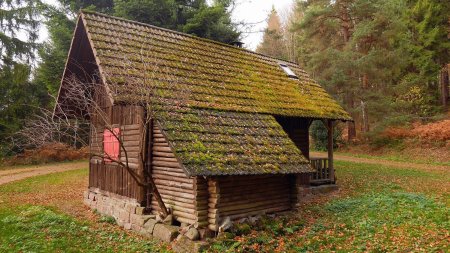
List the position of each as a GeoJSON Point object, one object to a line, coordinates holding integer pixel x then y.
{"type": "Point", "coordinates": [10, 175]}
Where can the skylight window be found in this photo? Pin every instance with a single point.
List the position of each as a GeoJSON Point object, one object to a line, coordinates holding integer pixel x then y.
{"type": "Point", "coordinates": [288, 71]}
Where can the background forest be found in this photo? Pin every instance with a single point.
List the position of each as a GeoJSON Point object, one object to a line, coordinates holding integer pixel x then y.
{"type": "Point", "coordinates": [384, 60]}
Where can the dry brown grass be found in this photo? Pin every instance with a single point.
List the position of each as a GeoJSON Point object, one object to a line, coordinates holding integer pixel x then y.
{"type": "Point", "coordinates": [432, 132]}
{"type": "Point", "coordinates": [53, 152]}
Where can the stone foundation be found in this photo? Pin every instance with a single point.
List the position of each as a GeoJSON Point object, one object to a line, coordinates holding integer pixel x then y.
{"type": "Point", "coordinates": [130, 215]}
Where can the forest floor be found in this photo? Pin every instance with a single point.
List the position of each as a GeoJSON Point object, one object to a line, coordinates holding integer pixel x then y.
{"type": "Point", "coordinates": [379, 207]}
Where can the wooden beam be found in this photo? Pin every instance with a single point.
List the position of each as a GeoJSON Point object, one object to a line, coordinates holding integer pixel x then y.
{"type": "Point", "coordinates": [330, 150]}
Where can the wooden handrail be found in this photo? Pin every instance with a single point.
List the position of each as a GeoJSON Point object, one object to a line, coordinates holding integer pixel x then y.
{"type": "Point", "coordinates": [323, 173]}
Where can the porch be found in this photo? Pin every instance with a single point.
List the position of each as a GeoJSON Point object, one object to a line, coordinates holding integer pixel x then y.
{"type": "Point", "coordinates": [298, 131]}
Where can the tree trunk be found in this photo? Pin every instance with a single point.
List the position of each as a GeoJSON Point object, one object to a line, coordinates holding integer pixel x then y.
{"type": "Point", "coordinates": [365, 117]}
{"type": "Point", "coordinates": [445, 86]}
{"type": "Point", "coordinates": [351, 129]}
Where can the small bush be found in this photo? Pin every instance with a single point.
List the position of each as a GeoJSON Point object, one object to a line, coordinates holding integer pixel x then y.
{"type": "Point", "coordinates": [319, 134]}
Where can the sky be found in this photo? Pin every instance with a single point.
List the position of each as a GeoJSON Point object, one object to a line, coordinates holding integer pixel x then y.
{"type": "Point", "coordinates": [254, 12]}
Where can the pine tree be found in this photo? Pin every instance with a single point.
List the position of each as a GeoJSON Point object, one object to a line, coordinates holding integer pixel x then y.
{"type": "Point", "coordinates": [19, 21]}
{"type": "Point", "coordinates": [18, 30]}
{"type": "Point", "coordinates": [353, 48]}
{"type": "Point", "coordinates": [273, 43]}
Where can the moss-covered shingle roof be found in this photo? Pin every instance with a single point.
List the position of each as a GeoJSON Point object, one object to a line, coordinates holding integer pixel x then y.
{"type": "Point", "coordinates": [211, 142]}
{"type": "Point", "coordinates": [224, 124]}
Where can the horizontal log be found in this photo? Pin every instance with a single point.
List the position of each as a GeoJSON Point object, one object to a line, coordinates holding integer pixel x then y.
{"type": "Point", "coordinates": [259, 208]}
{"type": "Point", "coordinates": [177, 179]}
{"type": "Point", "coordinates": [175, 203]}
{"type": "Point", "coordinates": [187, 210]}
{"type": "Point", "coordinates": [201, 213]}
{"type": "Point", "coordinates": [169, 197]}
{"type": "Point", "coordinates": [166, 164]}
{"type": "Point", "coordinates": [165, 159]}
{"type": "Point", "coordinates": [252, 182]}
{"type": "Point", "coordinates": [175, 174]}
{"type": "Point", "coordinates": [162, 149]}
{"type": "Point", "coordinates": [176, 194]}
{"type": "Point", "coordinates": [160, 144]}
{"type": "Point", "coordinates": [174, 189]}
{"type": "Point", "coordinates": [250, 191]}
{"type": "Point", "coordinates": [160, 140]}
{"type": "Point", "coordinates": [185, 187]}
{"type": "Point", "coordinates": [157, 135]}
{"type": "Point", "coordinates": [247, 205]}
{"type": "Point", "coordinates": [213, 227]}
{"type": "Point", "coordinates": [251, 194]}
{"type": "Point", "coordinates": [162, 154]}
{"type": "Point", "coordinates": [168, 169]}
{"type": "Point", "coordinates": [178, 213]}
{"type": "Point", "coordinates": [185, 220]}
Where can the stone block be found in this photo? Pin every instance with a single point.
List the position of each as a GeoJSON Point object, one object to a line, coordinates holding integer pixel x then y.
{"type": "Point", "coordinates": [166, 233]}
{"type": "Point", "coordinates": [193, 234]}
{"type": "Point", "coordinates": [124, 216]}
{"type": "Point", "coordinates": [137, 219]}
{"type": "Point", "coordinates": [131, 208]}
{"type": "Point", "coordinates": [92, 195]}
{"type": "Point", "coordinates": [136, 228]}
{"type": "Point", "coordinates": [184, 245]}
{"type": "Point", "coordinates": [127, 226]}
{"type": "Point", "coordinates": [140, 210]}
{"type": "Point", "coordinates": [150, 225]}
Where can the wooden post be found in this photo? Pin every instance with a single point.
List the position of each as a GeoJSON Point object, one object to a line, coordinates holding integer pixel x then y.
{"type": "Point", "coordinates": [330, 150]}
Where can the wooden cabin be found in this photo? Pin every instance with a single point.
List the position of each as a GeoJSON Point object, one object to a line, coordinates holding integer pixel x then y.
{"type": "Point", "coordinates": [229, 130]}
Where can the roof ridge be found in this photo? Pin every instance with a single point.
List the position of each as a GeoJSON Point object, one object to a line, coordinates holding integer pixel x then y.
{"type": "Point", "coordinates": [82, 11]}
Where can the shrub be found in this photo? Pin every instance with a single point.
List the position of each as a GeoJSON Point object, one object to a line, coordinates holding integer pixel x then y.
{"type": "Point", "coordinates": [319, 134]}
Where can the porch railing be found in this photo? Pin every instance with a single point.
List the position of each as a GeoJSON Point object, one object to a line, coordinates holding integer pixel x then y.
{"type": "Point", "coordinates": [323, 174]}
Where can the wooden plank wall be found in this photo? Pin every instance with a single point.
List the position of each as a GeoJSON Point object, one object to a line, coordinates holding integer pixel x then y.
{"type": "Point", "coordinates": [111, 177]}
{"type": "Point", "coordinates": [242, 196]}
{"type": "Point", "coordinates": [298, 131]}
{"type": "Point", "coordinates": [177, 190]}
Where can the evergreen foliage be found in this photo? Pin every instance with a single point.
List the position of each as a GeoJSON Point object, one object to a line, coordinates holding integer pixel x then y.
{"type": "Point", "coordinates": [381, 58]}
{"type": "Point", "coordinates": [19, 23]}
{"type": "Point", "coordinates": [319, 134]}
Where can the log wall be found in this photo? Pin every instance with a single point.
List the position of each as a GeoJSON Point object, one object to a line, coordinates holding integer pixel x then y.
{"type": "Point", "coordinates": [109, 176]}
{"type": "Point", "coordinates": [242, 196]}
{"type": "Point", "coordinates": [178, 191]}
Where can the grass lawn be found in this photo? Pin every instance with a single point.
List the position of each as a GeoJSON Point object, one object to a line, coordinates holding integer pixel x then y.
{"type": "Point", "coordinates": [378, 209]}
{"type": "Point", "coordinates": [46, 214]}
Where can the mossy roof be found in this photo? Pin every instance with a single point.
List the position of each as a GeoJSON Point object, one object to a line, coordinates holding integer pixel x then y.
{"type": "Point", "coordinates": [209, 142]}
{"type": "Point", "coordinates": [216, 103]}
